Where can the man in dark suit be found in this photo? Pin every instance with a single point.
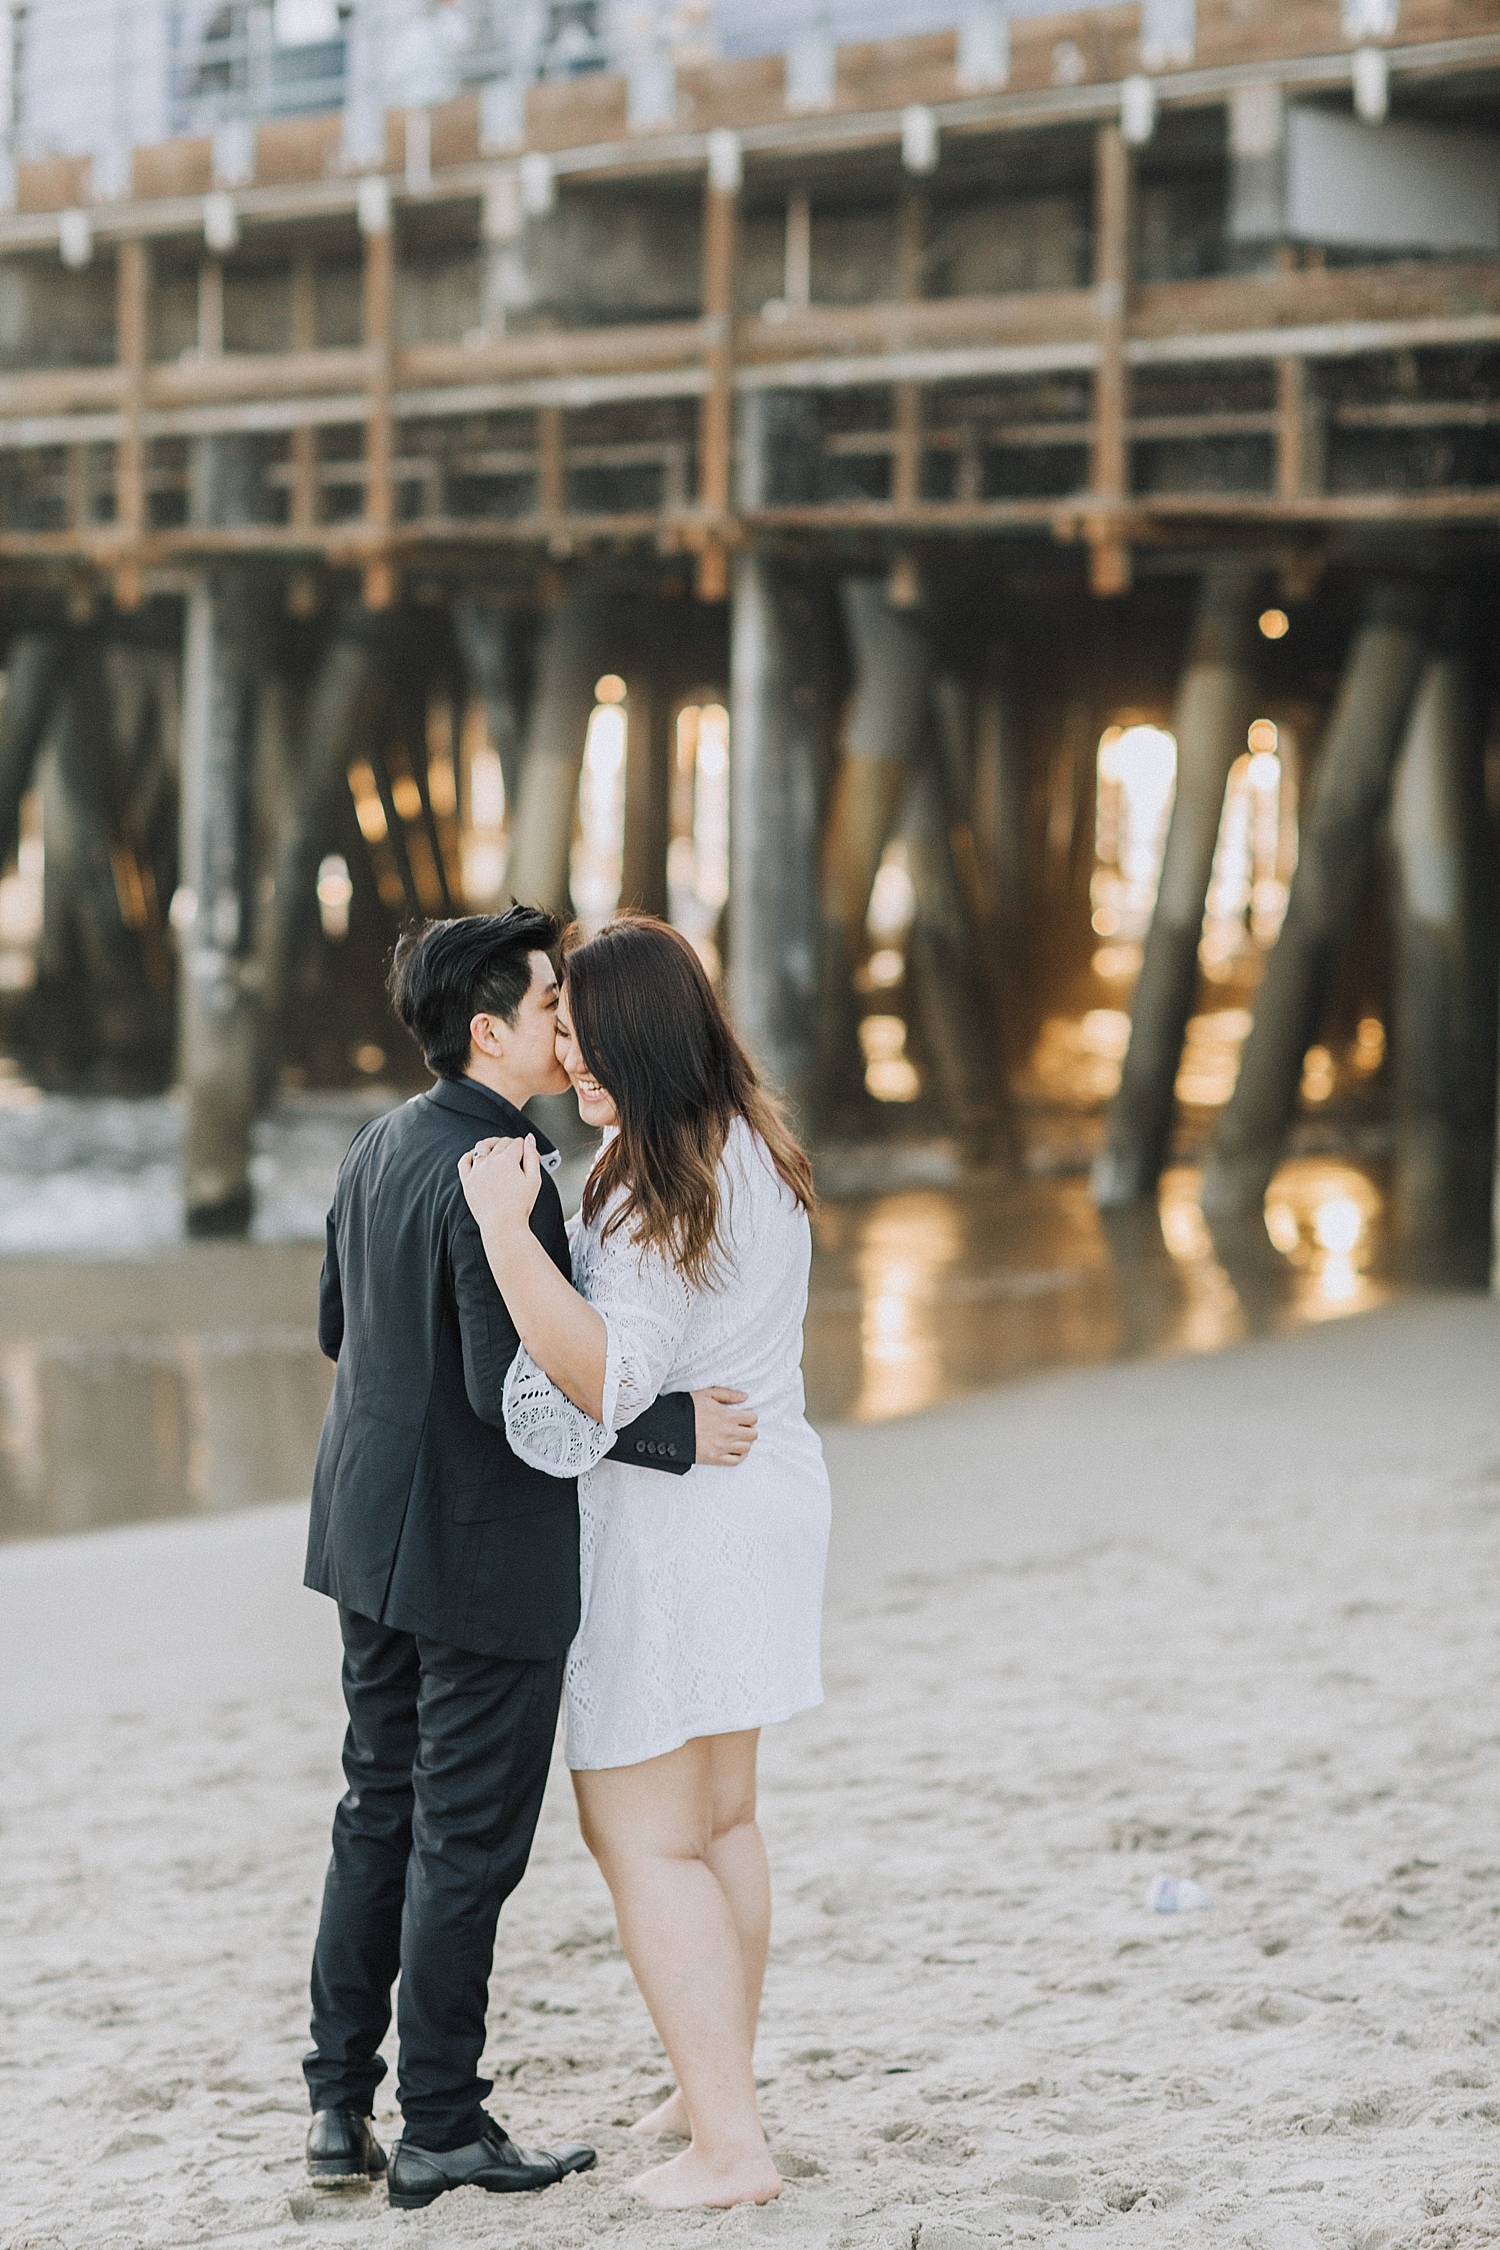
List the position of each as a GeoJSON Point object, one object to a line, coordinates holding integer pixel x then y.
{"type": "Point", "coordinates": [455, 1568]}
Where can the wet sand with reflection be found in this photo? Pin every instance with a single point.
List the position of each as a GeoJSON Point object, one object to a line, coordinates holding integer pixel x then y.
{"type": "Point", "coordinates": [190, 1382]}
{"type": "Point", "coordinates": [133, 1389]}
{"type": "Point", "coordinates": [925, 1295]}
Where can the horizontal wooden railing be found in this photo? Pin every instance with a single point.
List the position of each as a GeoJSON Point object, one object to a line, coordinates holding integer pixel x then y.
{"type": "Point", "coordinates": [1281, 319]}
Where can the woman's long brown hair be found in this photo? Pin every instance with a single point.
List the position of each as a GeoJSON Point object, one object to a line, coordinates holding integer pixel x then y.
{"type": "Point", "coordinates": [653, 1032]}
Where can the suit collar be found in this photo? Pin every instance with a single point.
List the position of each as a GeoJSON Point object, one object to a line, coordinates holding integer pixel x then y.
{"type": "Point", "coordinates": [470, 1099]}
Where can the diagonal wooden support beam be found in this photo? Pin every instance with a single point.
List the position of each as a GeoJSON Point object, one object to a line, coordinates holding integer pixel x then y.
{"type": "Point", "coordinates": [33, 670]}
{"type": "Point", "coordinates": [345, 697]}
{"type": "Point", "coordinates": [1338, 836]}
{"type": "Point", "coordinates": [1212, 712]}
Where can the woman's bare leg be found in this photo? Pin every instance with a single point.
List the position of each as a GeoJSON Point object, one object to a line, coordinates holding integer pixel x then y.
{"type": "Point", "coordinates": [737, 1855]}
{"type": "Point", "coordinates": [651, 1828]}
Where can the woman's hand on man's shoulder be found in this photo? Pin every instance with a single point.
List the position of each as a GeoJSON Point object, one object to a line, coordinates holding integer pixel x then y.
{"type": "Point", "coordinates": [501, 1180]}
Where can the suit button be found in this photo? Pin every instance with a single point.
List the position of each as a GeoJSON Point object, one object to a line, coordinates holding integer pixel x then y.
{"type": "Point", "coordinates": [640, 1445]}
{"type": "Point", "coordinates": [672, 1450]}
{"type": "Point", "coordinates": [653, 1448]}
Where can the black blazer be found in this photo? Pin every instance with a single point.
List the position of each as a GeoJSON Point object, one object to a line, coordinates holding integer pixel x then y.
{"type": "Point", "coordinates": [422, 1517]}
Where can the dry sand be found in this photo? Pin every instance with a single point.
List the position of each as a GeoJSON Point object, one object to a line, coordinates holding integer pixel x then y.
{"type": "Point", "coordinates": [1230, 1618]}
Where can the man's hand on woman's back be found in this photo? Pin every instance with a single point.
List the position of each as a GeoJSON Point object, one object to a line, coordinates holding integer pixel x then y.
{"type": "Point", "coordinates": [725, 1427]}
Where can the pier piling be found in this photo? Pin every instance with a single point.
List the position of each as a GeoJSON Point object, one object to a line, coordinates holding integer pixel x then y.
{"type": "Point", "coordinates": [1350, 792]}
{"type": "Point", "coordinates": [1214, 707]}
{"type": "Point", "coordinates": [780, 724]}
{"type": "Point", "coordinates": [1444, 1012]}
{"type": "Point", "coordinates": [573, 651]}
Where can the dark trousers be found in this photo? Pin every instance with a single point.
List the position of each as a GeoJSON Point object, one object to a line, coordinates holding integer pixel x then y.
{"type": "Point", "coordinates": [446, 1759]}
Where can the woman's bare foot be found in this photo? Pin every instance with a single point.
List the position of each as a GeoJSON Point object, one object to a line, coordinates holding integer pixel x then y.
{"type": "Point", "coordinates": [689, 2182]}
{"type": "Point", "coordinates": [669, 2119]}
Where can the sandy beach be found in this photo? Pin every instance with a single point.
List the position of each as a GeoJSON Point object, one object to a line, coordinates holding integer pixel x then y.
{"type": "Point", "coordinates": [1230, 1618]}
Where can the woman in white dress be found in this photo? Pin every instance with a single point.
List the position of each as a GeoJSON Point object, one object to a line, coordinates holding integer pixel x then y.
{"type": "Point", "coordinates": [702, 1594]}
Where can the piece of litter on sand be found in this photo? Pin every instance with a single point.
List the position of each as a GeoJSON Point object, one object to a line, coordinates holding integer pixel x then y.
{"type": "Point", "coordinates": [1175, 1894]}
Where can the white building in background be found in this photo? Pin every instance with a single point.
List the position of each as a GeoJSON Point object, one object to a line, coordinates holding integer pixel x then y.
{"type": "Point", "coordinates": [98, 77]}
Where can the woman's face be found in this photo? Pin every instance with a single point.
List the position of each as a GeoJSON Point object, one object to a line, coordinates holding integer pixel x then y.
{"type": "Point", "coordinates": [595, 1106]}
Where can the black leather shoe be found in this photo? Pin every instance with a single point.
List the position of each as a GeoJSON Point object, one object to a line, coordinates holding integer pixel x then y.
{"type": "Point", "coordinates": [342, 2151]}
{"type": "Point", "coordinates": [419, 2175]}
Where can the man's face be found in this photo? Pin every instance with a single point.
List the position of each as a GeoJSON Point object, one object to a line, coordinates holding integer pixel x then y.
{"type": "Point", "coordinates": [530, 1043]}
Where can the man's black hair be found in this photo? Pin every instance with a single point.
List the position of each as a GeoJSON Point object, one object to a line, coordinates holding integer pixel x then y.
{"type": "Point", "coordinates": [446, 973]}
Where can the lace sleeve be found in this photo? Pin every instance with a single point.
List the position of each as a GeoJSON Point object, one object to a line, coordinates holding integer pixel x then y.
{"type": "Point", "coordinates": [644, 1304]}
{"type": "Point", "coordinates": [546, 1430]}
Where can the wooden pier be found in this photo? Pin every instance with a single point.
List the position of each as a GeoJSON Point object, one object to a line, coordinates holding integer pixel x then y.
{"type": "Point", "coordinates": [1037, 314]}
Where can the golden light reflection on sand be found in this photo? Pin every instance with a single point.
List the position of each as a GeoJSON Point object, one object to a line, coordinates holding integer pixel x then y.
{"type": "Point", "coordinates": [1322, 1216]}
{"type": "Point", "coordinates": [911, 1241]}
{"type": "Point", "coordinates": [922, 1295]}
{"type": "Point", "coordinates": [1212, 1314]}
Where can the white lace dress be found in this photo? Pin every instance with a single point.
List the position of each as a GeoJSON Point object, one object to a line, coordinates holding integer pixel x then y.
{"type": "Point", "coordinates": [702, 1594]}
